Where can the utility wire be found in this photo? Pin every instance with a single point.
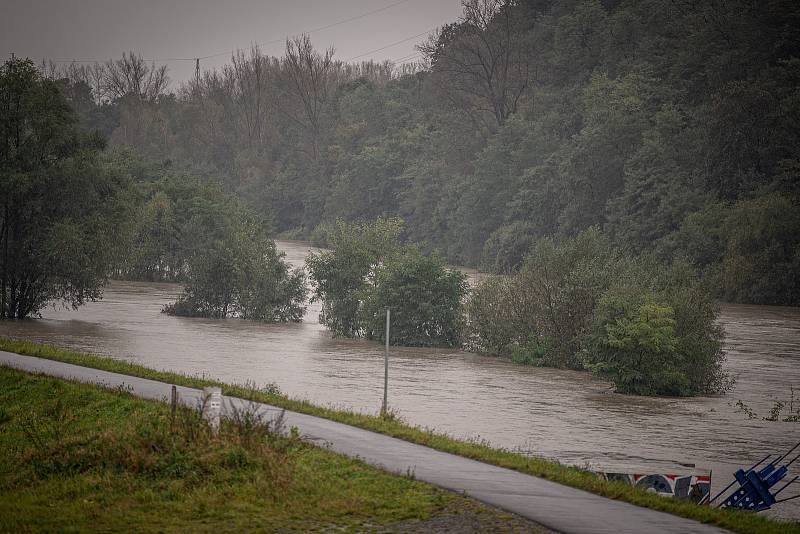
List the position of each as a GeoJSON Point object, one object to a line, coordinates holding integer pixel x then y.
{"type": "Point", "coordinates": [343, 21]}
{"type": "Point", "coordinates": [406, 57]}
{"type": "Point", "coordinates": [391, 45]}
{"type": "Point", "coordinates": [313, 30]}
{"type": "Point", "coordinates": [410, 60]}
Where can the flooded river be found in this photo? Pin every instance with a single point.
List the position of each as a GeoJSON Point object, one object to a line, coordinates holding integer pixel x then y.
{"type": "Point", "coordinates": [566, 415]}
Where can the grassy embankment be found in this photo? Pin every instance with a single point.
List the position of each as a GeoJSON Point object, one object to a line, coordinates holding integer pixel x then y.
{"type": "Point", "coordinates": [78, 457]}
{"type": "Point", "coordinates": [742, 522]}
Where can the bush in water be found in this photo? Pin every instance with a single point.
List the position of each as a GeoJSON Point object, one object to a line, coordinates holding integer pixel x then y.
{"type": "Point", "coordinates": [549, 303]}
{"type": "Point", "coordinates": [368, 271]}
{"type": "Point", "coordinates": [341, 274]}
{"type": "Point", "coordinates": [425, 299]}
{"type": "Point", "coordinates": [649, 329]}
{"type": "Point", "coordinates": [241, 275]}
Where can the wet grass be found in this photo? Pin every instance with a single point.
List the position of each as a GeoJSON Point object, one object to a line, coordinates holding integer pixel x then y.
{"type": "Point", "coordinates": [736, 521]}
{"type": "Point", "coordinates": [77, 457]}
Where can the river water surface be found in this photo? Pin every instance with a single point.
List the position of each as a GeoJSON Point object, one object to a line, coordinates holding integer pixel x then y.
{"type": "Point", "coordinates": [566, 415]}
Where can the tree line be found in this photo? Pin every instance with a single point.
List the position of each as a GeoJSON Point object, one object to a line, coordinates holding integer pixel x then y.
{"type": "Point", "coordinates": [670, 125]}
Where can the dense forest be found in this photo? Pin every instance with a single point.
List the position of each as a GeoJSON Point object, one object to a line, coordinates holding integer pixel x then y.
{"type": "Point", "coordinates": [671, 125]}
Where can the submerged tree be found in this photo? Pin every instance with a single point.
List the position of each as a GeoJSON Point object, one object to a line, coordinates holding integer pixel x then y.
{"type": "Point", "coordinates": [368, 271]}
{"type": "Point", "coordinates": [649, 328]}
{"type": "Point", "coordinates": [240, 273]}
{"type": "Point", "coordinates": [342, 274]}
{"type": "Point", "coordinates": [59, 205]}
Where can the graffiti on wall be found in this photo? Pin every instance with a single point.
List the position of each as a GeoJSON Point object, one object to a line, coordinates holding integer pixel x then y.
{"type": "Point", "coordinates": [693, 487]}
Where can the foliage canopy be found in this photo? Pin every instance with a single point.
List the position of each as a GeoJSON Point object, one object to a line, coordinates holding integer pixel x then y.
{"type": "Point", "coordinates": [59, 205]}
{"type": "Point", "coordinates": [368, 271]}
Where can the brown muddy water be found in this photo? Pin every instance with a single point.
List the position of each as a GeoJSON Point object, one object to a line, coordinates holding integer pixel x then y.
{"type": "Point", "coordinates": [565, 415]}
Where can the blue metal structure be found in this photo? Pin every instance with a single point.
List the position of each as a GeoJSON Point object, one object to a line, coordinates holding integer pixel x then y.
{"type": "Point", "coordinates": [755, 486]}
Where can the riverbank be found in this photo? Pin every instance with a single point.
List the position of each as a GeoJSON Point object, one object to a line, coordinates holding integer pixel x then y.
{"type": "Point", "coordinates": [130, 463]}
{"type": "Point", "coordinates": [738, 522]}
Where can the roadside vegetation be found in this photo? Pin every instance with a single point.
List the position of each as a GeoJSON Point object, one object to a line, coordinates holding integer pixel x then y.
{"type": "Point", "coordinates": [741, 522]}
{"type": "Point", "coordinates": [82, 458]}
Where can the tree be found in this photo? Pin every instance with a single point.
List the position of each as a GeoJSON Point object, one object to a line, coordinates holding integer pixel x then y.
{"type": "Point", "coordinates": [59, 205]}
{"type": "Point", "coordinates": [762, 257]}
{"type": "Point", "coordinates": [132, 76]}
{"type": "Point", "coordinates": [424, 297]}
{"type": "Point", "coordinates": [368, 271]}
{"type": "Point", "coordinates": [341, 275]}
{"type": "Point", "coordinates": [241, 274]}
{"type": "Point", "coordinates": [657, 335]}
{"type": "Point", "coordinates": [483, 60]}
{"type": "Point", "coordinates": [637, 348]}
{"type": "Point", "coordinates": [311, 75]}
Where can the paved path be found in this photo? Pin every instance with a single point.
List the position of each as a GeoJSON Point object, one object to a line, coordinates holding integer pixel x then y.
{"type": "Point", "coordinates": [550, 504]}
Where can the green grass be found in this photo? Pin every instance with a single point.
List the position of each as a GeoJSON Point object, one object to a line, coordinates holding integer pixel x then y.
{"type": "Point", "coordinates": [77, 457]}
{"type": "Point", "coordinates": [736, 521]}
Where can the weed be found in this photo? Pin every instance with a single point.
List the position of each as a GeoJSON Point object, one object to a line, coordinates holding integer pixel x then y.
{"type": "Point", "coordinates": [775, 412]}
{"type": "Point", "coordinates": [391, 415]}
{"type": "Point", "coordinates": [49, 426]}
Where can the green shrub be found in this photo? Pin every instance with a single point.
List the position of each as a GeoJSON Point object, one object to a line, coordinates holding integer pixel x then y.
{"type": "Point", "coordinates": [342, 274]}
{"type": "Point", "coordinates": [424, 297]}
{"type": "Point", "coordinates": [496, 319]}
{"type": "Point", "coordinates": [505, 249]}
{"type": "Point", "coordinates": [762, 260]}
{"type": "Point", "coordinates": [533, 353]}
{"type": "Point", "coordinates": [648, 328]}
{"type": "Point", "coordinates": [748, 251]}
{"type": "Point", "coordinates": [636, 348]}
{"type": "Point", "coordinates": [368, 271]}
{"type": "Point", "coordinates": [553, 297]}
{"type": "Point", "coordinates": [242, 275]}
{"type": "Point", "coordinates": [655, 333]}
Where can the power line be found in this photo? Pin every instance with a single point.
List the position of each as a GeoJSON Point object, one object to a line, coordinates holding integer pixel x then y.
{"type": "Point", "coordinates": [391, 45]}
{"type": "Point", "coordinates": [195, 59]}
{"type": "Point", "coordinates": [410, 60]}
{"type": "Point", "coordinates": [343, 21]}
{"type": "Point", "coordinates": [408, 56]}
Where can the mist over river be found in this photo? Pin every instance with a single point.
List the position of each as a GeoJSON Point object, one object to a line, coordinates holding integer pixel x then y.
{"type": "Point", "coordinates": [567, 415]}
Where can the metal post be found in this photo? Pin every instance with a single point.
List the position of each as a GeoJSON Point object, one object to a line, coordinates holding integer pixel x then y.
{"type": "Point", "coordinates": [173, 402]}
{"type": "Point", "coordinates": [386, 365]}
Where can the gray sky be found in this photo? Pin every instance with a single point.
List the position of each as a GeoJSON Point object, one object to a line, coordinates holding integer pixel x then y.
{"type": "Point", "coordinates": [102, 29]}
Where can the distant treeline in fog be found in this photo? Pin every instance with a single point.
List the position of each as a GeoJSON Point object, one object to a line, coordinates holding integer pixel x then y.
{"type": "Point", "coordinates": [670, 125]}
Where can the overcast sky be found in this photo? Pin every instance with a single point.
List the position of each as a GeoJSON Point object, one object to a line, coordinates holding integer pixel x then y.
{"type": "Point", "coordinates": [165, 29]}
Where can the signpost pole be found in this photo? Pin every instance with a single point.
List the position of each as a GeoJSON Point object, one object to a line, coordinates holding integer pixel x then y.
{"type": "Point", "coordinates": [386, 365]}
